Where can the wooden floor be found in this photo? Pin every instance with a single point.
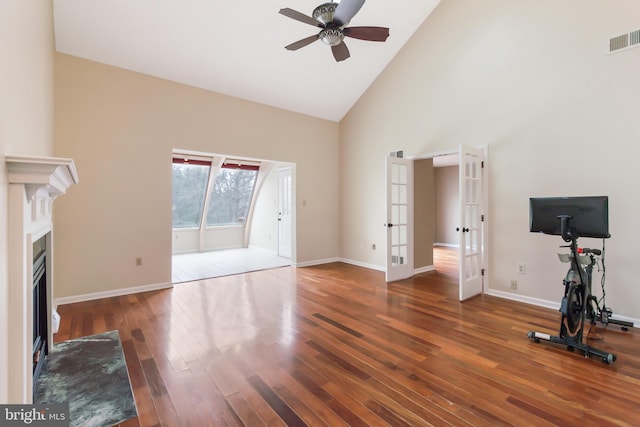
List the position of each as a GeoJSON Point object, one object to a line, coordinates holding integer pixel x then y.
{"type": "Point", "coordinates": [334, 345]}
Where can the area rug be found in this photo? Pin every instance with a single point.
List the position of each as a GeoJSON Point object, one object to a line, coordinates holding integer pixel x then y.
{"type": "Point", "coordinates": [89, 374]}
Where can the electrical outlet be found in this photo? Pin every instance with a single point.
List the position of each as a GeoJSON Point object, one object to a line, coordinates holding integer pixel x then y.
{"type": "Point", "coordinates": [514, 284]}
{"type": "Point", "coordinates": [521, 268]}
{"type": "Point", "coordinates": [138, 261]}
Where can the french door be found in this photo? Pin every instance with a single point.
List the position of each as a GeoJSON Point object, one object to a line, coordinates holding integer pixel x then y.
{"type": "Point", "coordinates": [471, 226]}
{"type": "Point", "coordinates": [400, 220]}
{"type": "Point", "coordinates": [399, 224]}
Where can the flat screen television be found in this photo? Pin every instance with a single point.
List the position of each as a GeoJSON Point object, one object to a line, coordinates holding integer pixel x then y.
{"type": "Point", "coordinates": [585, 216]}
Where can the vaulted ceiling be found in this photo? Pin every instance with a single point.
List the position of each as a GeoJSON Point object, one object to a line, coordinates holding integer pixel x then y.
{"type": "Point", "coordinates": [237, 47]}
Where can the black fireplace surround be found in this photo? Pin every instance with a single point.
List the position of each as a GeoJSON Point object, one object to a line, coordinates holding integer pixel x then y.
{"type": "Point", "coordinates": [40, 313]}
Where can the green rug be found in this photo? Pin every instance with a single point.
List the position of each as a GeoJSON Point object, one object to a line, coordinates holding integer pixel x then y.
{"type": "Point", "coordinates": [89, 374]}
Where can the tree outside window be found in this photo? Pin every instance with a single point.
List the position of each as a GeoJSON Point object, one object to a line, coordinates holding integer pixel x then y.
{"type": "Point", "coordinates": [189, 187]}
{"type": "Point", "coordinates": [231, 195]}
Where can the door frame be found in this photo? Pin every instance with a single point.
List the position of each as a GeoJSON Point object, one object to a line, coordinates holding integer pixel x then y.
{"type": "Point", "coordinates": [485, 241]}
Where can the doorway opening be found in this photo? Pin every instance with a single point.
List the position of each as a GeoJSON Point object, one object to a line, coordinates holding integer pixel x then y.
{"type": "Point", "coordinates": [449, 212]}
{"type": "Point", "coordinates": [446, 243]}
{"type": "Point", "coordinates": [227, 215]}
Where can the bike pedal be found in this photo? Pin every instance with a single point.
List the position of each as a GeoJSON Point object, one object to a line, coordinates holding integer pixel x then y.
{"type": "Point", "coordinates": [563, 306]}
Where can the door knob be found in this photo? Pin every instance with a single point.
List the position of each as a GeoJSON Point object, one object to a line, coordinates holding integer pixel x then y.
{"type": "Point", "coordinates": [389, 225]}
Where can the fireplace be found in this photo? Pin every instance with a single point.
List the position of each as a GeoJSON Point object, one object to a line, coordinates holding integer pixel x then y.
{"type": "Point", "coordinates": [40, 307]}
{"type": "Point", "coordinates": [34, 183]}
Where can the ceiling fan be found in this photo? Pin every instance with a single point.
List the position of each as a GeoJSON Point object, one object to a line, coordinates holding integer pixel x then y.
{"type": "Point", "coordinates": [333, 18]}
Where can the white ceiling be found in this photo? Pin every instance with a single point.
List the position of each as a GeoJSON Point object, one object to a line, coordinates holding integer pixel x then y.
{"type": "Point", "coordinates": [237, 47]}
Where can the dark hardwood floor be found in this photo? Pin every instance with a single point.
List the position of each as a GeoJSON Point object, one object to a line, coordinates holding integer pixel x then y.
{"type": "Point", "coordinates": [335, 345]}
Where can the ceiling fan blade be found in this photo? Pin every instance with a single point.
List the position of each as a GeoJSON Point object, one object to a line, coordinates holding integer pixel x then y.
{"type": "Point", "coordinates": [346, 10]}
{"type": "Point", "coordinates": [302, 43]}
{"type": "Point", "coordinates": [374, 34]}
{"type": "Point", "coordinates": [340, 52]}
{"type": "Point", "coordinates": [299, 16]}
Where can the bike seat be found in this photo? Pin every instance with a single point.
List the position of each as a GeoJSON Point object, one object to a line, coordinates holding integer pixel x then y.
{"type": "Point", "coordinates": [582, 259]}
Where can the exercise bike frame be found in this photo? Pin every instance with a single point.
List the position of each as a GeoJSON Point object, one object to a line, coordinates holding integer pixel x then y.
{"type": "Point", "coordinates": [579, 301]}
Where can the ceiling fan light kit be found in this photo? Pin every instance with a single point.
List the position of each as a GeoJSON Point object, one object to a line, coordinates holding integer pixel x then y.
{"type": "Point", "coordinates": [333, 18]}
{"type": "Point", "coordinates": [331, 36]}
{"type": "Point", "coordinates": [324, 13]}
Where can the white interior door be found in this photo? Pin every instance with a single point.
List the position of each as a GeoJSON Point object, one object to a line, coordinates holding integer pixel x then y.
{"type": "Point", "coordinates": [284, 212]}
{"type": "Point", "coordinates": [471, 226]}
{"type": "Point", "coordinates": [399, 218]}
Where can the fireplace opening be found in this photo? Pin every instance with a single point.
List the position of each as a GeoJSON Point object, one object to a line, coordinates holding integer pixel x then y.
{"type": "Point", "coordinates": [40, 309]}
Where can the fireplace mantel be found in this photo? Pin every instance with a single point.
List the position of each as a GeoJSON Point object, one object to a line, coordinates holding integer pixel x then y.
{"type": "Point", "coordinates": [34, 183]}
{"type": "Point", "coordinates": [46, 177]}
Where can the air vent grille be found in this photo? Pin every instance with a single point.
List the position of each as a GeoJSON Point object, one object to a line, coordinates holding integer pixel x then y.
{"type": "Point", "coordinates": [624, 41]}
{"type": "Point", "coordinates": [619, 42]}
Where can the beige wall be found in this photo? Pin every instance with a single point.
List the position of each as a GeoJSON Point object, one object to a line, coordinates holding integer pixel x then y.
{"type": "Point", "coordinates": [424, 212]}
{"type": "Point", "coordinates": [447, 205]}
{"type": "Point", "coordinates": [533, 81]}
{"type": "Point", "coordinates": [120, 127]}
{"type": "Point", "coordinates": [26, 117]}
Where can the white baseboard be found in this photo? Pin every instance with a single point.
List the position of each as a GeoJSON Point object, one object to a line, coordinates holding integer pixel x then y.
{"type": "Point", "coordinates": [367, 265]}
{"type": "Point", "coordinates": [363, 264]}
{"type": "Point", "coordinates": [382, 268]}
{"type": "Point", "coordinates": [523, 298]}
{"type": "Point", "coordinates": [424, 269]}
{"type": "Point", "coordinates": [315, 262]}
{"type": "Point", "coordinates": [345, 260]}
{"type": "Point", "coordinates": [109, 294]}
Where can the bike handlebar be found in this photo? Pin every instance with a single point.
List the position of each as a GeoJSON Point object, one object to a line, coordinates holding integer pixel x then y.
{"type": "Point", "coordinates": [589, 251]}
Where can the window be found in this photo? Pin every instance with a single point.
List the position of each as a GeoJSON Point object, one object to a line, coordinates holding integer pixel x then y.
{"type": "Point", "coordinates": [231, 194]}
{"type": "Point", "coordinates": [189, 187]}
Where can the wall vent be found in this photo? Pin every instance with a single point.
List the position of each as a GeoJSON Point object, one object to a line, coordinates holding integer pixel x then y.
{"type": "Point", "coordinates": [619, 42]}
{"type": "Point", "coordinates": [624, 41]}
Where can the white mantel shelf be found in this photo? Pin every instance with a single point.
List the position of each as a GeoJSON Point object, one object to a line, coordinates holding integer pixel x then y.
{"type": "Point", "coordinates": [51, 175]}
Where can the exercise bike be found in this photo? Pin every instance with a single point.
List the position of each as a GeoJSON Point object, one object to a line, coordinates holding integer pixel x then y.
{"type": "Point", "coordinates": [579, 305]}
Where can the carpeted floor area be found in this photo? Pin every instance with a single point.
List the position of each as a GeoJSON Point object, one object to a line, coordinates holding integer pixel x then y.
{"type": "Point", "coordinates": [90, 374]}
